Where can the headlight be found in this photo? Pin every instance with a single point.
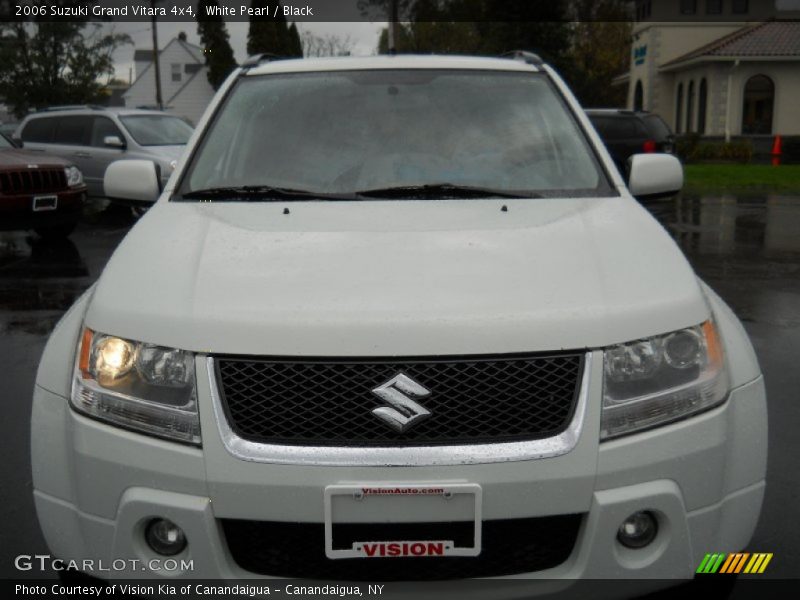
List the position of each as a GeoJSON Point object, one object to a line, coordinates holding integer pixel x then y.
{"type": "Point", "coordinates": [661, 379]}
{"type": "Point", "coordinates": [139, 386]}
{"type": "Point", "coordinates": [74, 176]}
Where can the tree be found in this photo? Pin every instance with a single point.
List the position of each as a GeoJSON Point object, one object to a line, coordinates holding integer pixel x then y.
{"type": "Point", "coordinates": [45, 63]}
{"type": "Point", "coordinates": [326, 45]}
{"type": "Point", "coordinates": [268, 35]}
{"type": "Point", "coordinates": [488, 27]}
{"type": "Point", "coordinates": [600, 50]}
{"type": "Point", "coordinates": [296, 44]}
{"type": "Point", "coordinates": [216, 42]}
{"type": "Point", "coordinates": [587, 41]}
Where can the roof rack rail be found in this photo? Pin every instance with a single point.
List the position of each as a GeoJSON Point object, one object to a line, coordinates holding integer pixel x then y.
{"type": "Point", "coordinates": [256, 59]}
{"type": "Point", "coordinates": [528, 57]}
{"type": "Point", "coordinates": [71, 107]}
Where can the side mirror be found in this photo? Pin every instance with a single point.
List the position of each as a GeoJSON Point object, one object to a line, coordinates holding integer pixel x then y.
{"type": "Point", "coordinates": [136, 180]}
{"type": "Point", "coordinates": [18, 143]}
{"type": "Point", "coordinates": [654, 176]}
{"type": "Point", "coordinates": [113, 141]}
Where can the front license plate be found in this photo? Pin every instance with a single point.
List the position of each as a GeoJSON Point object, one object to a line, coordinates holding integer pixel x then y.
{"type": "Point", "coordinates": [390, 520]}
{"type": "Point", "coordinates": [45, 203]}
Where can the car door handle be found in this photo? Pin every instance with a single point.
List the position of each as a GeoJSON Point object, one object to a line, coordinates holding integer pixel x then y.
{"type": "Point", "coordinates": [82, 155]}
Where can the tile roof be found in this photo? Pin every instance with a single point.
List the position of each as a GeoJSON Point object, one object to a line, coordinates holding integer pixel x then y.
{"type": "Point", "coordinates": [769, 38]}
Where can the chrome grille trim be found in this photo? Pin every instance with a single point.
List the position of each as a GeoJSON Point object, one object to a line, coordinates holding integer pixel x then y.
{"type": "Point", "coordinates": [370, 456]}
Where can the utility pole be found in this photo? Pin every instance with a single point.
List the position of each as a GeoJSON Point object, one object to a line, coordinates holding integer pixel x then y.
{"type": "Point", "coordinates": [159, 100]}
{"type": "Point", "coordinates": [393, 18]}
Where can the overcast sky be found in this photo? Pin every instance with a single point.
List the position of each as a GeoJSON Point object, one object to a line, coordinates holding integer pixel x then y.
{"type": "Point", "coordinates": [364, 36]}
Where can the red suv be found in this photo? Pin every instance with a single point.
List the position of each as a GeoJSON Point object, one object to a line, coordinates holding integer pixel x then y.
{"type": "Point", "coordinates": [44, 193]}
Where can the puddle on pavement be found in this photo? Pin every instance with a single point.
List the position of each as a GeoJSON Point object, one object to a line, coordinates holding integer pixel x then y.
{"type": "Point", "coordinates": [746, 247]}
{"type": "Point", "coordinates": [39, 281]}
{"type": "Point", "coordinates": [732, 225]}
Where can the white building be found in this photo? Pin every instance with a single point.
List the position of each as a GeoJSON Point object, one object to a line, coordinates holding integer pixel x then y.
{"type": "Point", "coordinates": [717, 67]}
{"type": "Point", "coordinates": [185, 89]}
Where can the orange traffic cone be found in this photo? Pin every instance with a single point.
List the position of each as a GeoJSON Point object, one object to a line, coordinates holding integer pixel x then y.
{"type": "Point", "coordinates": [776, 151]}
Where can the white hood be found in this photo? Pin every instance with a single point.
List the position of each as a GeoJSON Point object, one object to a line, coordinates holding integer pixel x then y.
{"type": "Point", "coordinates": [396, 278]}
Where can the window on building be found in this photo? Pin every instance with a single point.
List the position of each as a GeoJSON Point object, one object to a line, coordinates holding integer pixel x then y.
{"type": "Point", "coordinates": [638, 97]}
{"type": "Point", "coordinates": [688, 7]}
{"type": "Point", "coordinates": [713, 7]}
{"type": "Point", "coordinates": [739, 7]}
{"type": "Point", "coordinates": [690, 108]}
{"type": "Point", "coordinates": [177, 72]}
{"type": "Point", "coordinates": [759, 100]}
{"type": "Point", "coordinates": [679, 110]}
{"type": "Point", "coordinates": [702, 107]}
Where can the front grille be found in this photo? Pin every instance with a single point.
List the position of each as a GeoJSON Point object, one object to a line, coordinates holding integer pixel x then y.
{"type": "Point", "coordinates": [329, 403]}
{"type": "Point", "coordinates": [510, 547]}
{"type": "Point", "coordinates": [30, 181]}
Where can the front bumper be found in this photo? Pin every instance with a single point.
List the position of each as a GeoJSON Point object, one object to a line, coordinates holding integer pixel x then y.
{"type": "Point", "coordinates": [16, 211]}
{"type": "Point", "coordinates": [96, 486]}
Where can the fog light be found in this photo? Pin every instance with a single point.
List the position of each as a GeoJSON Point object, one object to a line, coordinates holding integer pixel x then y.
{"type": "Point", "coordinates": [164, 537]}
{"type": "Point", "coordinates": [638, 530]}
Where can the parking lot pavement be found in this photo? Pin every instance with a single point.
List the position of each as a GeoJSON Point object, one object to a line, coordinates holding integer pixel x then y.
{"type": "Point", "coordinates": [747, 248]}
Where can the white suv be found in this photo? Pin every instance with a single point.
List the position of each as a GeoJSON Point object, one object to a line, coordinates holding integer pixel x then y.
{"type": "Point", "coordinates": [399, 318]}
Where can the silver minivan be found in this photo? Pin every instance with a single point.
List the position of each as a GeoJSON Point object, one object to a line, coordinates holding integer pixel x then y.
{"type": "Point", "coordinates": [94, 137]}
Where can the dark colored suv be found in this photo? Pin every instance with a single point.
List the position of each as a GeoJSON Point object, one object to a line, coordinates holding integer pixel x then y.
{"type": "Point", "coordinates": [627, 132]}
{"type": "Point", "coordinates": [40, 192]}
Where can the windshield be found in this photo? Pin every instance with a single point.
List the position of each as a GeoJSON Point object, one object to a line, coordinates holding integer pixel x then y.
{"type": "Point", "coordinates": [157, 130]}
{"type": "Point", "coordinates": [345, 132]}
{"type": "Point", "coordinates": [4, 143]}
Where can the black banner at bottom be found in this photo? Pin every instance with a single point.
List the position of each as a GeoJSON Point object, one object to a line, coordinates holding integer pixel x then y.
{"type": "Point", "coordinates": [710, 587]}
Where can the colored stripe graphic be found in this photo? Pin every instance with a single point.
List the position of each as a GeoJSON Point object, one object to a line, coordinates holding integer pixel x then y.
{"type": "Point", "coordinates": [703, 564]}
{"type": "Point", "coordinates": [765, 563]}
{"type": "Point", "coordinates": [740, 563]}
{"type": "Point", "coordinates": [734, 562]}
{"type": "Point", "coordinates": [727, 565]}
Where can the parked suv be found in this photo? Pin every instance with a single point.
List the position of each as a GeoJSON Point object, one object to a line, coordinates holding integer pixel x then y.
{"type": "Point", "coordinates": [399, 318]}
{"type": "Point", "coordinates": [626, 132]}
{"type": "Point", "coordinates": [94, 137]}
{"type": "Point", "coordinates": [44, 193]}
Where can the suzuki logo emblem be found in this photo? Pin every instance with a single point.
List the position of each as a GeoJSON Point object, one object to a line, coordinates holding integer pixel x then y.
{"type": "Point", "coordinates": [399, 392]}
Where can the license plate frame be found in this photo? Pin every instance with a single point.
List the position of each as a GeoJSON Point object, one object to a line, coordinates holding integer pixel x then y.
{"type": "Point", "coordinates": [43, 203]}
{"type": "Point", "coordinates": [408, 492]}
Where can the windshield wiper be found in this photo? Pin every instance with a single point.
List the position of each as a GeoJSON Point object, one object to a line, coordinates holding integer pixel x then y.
{"type": "Point", "coordinates": [262, 192]}
{"type": "Point", "coordinates": [442, 190]}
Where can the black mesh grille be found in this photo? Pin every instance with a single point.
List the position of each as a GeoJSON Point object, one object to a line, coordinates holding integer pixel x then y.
{"type": "Point", "coordinates": [510, 546]}
{"type": "Point", "coordinates": [32, 180]}
{"type": "Point", "coordinates": [472, 400]}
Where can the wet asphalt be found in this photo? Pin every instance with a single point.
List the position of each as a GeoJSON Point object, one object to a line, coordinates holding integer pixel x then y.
{"type": "Point", "coordinates": [746, 247]}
